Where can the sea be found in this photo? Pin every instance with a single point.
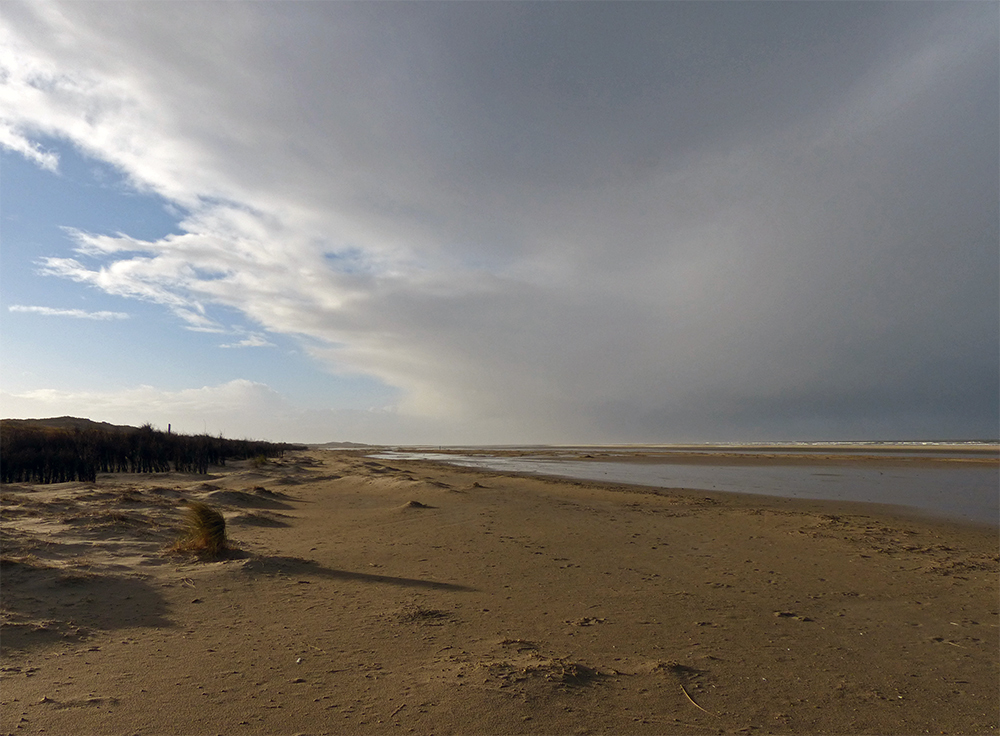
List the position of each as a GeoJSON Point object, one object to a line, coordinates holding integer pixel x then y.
{"type": "Point", "coordinates": [964, 491]}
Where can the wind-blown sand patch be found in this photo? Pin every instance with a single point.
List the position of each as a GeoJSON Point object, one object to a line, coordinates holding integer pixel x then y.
{"type": "Point", "coordinates": [374, 597]}
{"type": "Point", "coordinates": [259, 518]}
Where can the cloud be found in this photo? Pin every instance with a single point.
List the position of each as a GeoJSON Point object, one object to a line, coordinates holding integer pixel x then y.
{"type": "Point", "coordinates": [253, 341]}
{"type": "Point", "coordinates": [559, 222]}
{"type": "Point", "coordinates": [238, 402]}
{"type": "Point", "coordinates": [14, 141]}
{"type": "Point", "coordinates": [75, 313]}
{"type": "Point", "coordinates": [149, 279]}
{"type": "Point", "coordinates": [237, 408]}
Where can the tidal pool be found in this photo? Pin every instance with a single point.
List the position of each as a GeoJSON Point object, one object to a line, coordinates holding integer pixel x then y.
{"type": "Point", "coordinates": [970, 493]}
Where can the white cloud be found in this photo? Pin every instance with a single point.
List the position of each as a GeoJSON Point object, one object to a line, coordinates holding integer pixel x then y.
{"type": "Point", "coordinates": [74, 313]}
{"type": "Point", "coordinates": [253, 341]}
{"type": "Point", "coordinates": [17, 142]}
{"type": "Point", "coordinates": [157, 280]}
{"type": "Point", "coordinates": [238, 408]}
{"type": "Point", "coordinates": [238, 403]}
{"type": "Point", "coordinates": [566, 246]}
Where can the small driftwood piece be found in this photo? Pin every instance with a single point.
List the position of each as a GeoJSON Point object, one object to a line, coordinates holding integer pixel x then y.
{"type": "Point", "coordinates": [691, 700]}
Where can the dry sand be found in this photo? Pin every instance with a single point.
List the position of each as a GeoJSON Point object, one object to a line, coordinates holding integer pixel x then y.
{"type": "Point", "coordinates": [375, 596]}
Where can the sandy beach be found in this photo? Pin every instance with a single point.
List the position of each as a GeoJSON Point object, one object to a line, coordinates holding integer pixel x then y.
{"type": "Point", "coordinates": [391, 596]}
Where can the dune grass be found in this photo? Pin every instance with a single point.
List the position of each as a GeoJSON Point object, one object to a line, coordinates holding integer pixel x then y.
{"type": "Point", "coordinates": [204, 533]}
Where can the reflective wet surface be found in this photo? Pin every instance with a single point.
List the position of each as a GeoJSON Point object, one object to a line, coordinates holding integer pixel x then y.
{"type": "Point", "coordinates": [970, 493]}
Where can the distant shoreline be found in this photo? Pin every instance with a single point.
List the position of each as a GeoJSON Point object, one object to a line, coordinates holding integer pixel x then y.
{"type": "Point", "coordinates": [961, 488]}
{"type": "Point", "coordinates": [750, 455]}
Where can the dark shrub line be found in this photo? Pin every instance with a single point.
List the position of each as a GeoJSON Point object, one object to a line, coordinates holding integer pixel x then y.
{"type": "Point", "coordinates": [54, 455]}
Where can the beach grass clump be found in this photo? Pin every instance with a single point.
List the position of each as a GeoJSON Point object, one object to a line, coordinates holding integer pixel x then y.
{"type": "Point", "coordinates": [204, 533]}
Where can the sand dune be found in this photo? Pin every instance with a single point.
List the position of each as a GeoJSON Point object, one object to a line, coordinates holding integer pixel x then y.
{"type": "Point", "coordinates": [370, 596]}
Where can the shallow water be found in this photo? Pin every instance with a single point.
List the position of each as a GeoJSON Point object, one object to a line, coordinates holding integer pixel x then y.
{"type": "Point", "coordinates": [969, 493]}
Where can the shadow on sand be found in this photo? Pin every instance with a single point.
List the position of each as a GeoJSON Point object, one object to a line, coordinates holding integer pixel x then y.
{"type": "Point", "coordinates": [44, 604]}
{"type": "Point", "coordinates": [256, 565]}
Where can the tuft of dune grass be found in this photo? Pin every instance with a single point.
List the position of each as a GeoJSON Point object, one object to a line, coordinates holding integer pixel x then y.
{"type": "Point", "coordinates": [205, 531]}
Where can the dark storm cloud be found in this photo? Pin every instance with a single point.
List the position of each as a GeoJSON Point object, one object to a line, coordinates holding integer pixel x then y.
{"type": "Point", "coordinates": [570, 221]}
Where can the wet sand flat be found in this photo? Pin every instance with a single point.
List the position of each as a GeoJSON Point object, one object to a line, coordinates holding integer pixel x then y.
{"type": "Point", "coordinates": [963, 488]}
{"type": "Point", "coordinates": [391, 596]}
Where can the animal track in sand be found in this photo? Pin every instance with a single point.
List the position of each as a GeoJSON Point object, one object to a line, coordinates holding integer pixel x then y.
{"type": "Point", "coordinates": [414, 614]}
{"type": "Point", "coordinates": [587, 621]}
{"type": "Point", "coordinates": [791, 615]}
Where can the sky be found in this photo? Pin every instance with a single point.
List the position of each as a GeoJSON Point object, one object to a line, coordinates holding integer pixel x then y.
{"type": "Point", "coordinates": [503, 222]}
